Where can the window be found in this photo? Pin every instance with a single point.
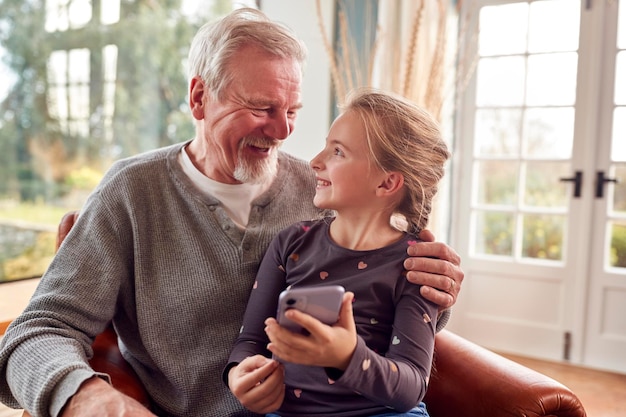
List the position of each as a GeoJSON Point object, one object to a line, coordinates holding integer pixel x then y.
{"type": "Point", "coordinates": [84, 83]}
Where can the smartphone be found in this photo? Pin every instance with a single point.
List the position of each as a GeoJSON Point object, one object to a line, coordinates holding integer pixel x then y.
{"type": "Point", "coordinates": [322, 302]}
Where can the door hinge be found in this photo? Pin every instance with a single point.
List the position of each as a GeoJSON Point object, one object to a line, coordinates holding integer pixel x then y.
{"type": "Point", "coordinates": [567, 345]}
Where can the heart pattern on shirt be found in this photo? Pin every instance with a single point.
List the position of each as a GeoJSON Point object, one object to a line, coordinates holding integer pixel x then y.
{"type": "Point", "coordinates": [362, 265]}
{"type": "Point", "coordinates": [323, 275]}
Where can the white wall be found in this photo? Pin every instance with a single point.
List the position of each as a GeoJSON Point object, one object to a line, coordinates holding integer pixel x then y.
{"type": "Point", "coordinates": [314, 118]}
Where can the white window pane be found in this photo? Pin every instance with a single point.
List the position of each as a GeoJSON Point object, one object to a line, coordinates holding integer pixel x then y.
{"type": "Point", "coordinates": [493, 233]}
{"type": "Point", "coordinates": [59, 96]}
{"type": "Point", "coordinates": [108, 99]}
{"type": "Point", "coordinates": [503, 29]}
{"type": "Point", "coordinates": [549, 133]}
{"type": "Point", "coordinates": [496, 182]}
{"type": "Point", "coordinates": [109, 55]}
{"type": "Point", "coordinates": [552, 79]}
{"type": "Point", "coordinates": [79, 66]}
{"type": "Point", "coordinates": [79, 102]}
{"type": "Point", "coordinates": [543, 236]}
{"type": "Point", "coordinates": [544, 36]}
{"type": "Point", "coordinates": [500, 81]}
{"type": "Point", "coordinates": [79, 128]}
{"type": "Point", "coordinates": [497, 132]}
{"type": "Point", "coordinates": [619, 193]}
{"type": "Point", "coordinates": [618, 244]}
{"type": "Point", "coordinates": [57, 67]}
{"type": "Point", "coordinates": [56, 16]}
{"type": "Point", "coordinates": [542, 185]}
{"type": "Point", "coordinates": [110, 12]}
{"type": "Point", "coordinates": [79, 12]}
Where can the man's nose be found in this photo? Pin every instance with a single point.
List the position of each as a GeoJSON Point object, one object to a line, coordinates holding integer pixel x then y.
{"type": "Point", "coordinates": [279, 127]}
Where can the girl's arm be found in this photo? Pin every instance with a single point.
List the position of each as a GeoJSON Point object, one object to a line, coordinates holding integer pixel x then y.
{"type": "Point", "coordinates": [399, 378]}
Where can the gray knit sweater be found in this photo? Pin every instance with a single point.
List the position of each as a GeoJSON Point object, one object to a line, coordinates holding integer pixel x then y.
{"type": "Point", "coordinates": [171, 270]}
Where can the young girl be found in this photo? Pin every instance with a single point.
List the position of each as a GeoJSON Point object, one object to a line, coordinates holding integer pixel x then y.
{"type": "Point", "coordinates": [382, 161]}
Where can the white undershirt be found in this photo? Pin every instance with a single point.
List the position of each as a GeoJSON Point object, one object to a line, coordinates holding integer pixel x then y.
{"type": "Point", "coordinates": [235, 198]}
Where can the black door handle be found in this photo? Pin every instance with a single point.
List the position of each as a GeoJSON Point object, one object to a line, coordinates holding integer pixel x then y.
{"type": "Point", "coordinates": [600, 181]}
{"type": "Point", "coordinates": [577, 179]}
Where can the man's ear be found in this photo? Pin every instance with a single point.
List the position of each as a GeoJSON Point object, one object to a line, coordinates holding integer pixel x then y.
{"type": "Point", "coordinates": [391, 183]}
{"type": "Point", "coordinates": [196, 97]}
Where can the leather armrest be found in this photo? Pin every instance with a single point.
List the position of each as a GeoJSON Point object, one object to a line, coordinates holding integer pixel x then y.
{"type": "Point", "coordinates": [471, 381]}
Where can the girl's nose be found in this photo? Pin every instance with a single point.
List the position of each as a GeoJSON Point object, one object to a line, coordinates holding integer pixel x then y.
{"type": "Point", "coordinates": [316, 162]}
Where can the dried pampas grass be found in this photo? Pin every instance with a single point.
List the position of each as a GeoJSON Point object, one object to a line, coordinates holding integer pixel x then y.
{"type": "Point", "coordinates": [425, 70]}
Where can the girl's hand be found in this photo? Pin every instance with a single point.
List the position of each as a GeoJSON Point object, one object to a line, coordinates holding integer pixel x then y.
{"type": "Point", "coordinates": [258, 383]}
{"type": "Point", "coordinates": [327, 346]}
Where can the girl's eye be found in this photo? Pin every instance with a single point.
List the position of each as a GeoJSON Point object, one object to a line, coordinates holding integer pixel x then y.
{"type": "Point", "coordinates": [338, 152]}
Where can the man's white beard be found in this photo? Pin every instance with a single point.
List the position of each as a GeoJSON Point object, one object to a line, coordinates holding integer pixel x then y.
{"type": "Point", "coordinates": [255, 171]}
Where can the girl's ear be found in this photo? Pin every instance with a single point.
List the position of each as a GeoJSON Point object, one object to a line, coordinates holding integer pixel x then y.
{"type": "Point", "coordinates": [196, 97]}
{"type": "Point", "coordinates": [392, 183]}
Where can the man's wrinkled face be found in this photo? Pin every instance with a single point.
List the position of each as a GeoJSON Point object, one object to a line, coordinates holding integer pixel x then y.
{"type": "Point", "coordinates": [245, 128]}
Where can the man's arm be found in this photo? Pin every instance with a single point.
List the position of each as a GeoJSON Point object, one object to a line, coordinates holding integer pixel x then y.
{"type": "Point", "coordinates": [437, 267]}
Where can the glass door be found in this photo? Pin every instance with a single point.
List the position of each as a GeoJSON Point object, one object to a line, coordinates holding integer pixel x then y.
{"type": "Point", "coordinates": [606, 328]}
{"type": "Point", "coordinates": [530, 141]}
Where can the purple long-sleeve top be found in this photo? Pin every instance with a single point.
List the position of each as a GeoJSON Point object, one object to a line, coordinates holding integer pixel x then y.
{"type": "Point", "coordinates": [396, 326]}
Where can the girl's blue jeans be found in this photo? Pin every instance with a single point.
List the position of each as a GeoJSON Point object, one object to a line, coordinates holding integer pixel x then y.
{"type": "Point", "coordinates": [419, 411]}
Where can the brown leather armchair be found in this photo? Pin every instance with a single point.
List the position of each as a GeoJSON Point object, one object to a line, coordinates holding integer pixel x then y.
{"type": "Point", "coordinates": [467, 380]}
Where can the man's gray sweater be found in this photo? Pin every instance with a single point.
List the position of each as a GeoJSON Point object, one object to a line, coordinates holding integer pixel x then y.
{"type": "Point", "coordinates": [169, 268]}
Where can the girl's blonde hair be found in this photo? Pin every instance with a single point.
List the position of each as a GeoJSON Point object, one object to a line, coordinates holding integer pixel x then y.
{"type": "Point", "coordinates": [404, 138]}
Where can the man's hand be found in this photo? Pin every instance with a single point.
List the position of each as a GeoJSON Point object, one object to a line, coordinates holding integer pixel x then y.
{"type": "Point", "coordinates": [258, 383]}
{"type": "Point", "coordinates": [437, 267]}
{"type": "Point", "coordinates": [96, 397]}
